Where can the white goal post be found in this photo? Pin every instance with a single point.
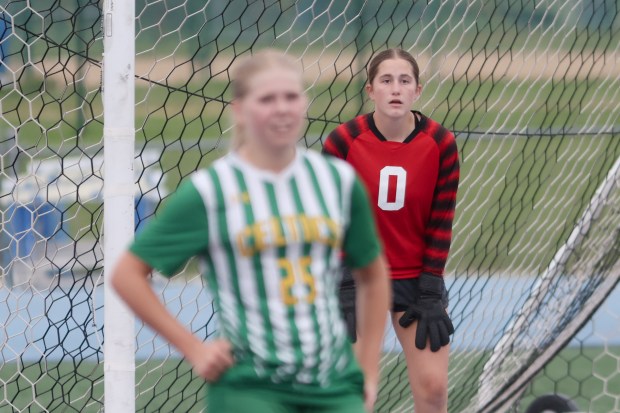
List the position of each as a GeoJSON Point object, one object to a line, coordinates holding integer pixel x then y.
{"type": "Point", "coordinates": [118, 197]}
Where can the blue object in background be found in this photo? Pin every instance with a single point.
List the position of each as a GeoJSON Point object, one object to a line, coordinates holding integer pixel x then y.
{"type": "Point", "coordinates": [4, 32]}
{"type": "Point", "coordinates": [145, 209]}
{"type": "Point", "coordinates": [29, 223]}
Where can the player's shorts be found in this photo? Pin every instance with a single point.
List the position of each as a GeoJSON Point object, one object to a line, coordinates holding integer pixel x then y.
{"type": "Point", "coordinates": [243, 399]}
{"type": "Point", "coordinates": [404, 293]}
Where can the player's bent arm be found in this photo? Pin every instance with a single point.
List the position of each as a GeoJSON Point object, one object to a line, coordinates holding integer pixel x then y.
{"type": "Point", "coordinates": [373, 300]}
{"type": "Point", "coordinates": [438, 234]}
{"type": "Point", "coordinates": [130, 281]}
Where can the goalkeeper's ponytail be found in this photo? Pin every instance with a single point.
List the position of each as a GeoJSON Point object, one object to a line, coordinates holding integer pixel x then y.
{"type": "Point", "coordinates": [263, 60]}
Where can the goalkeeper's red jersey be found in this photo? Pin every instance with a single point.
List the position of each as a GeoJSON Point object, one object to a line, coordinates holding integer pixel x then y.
{"type": "Point", "coordinates": [412, 186]}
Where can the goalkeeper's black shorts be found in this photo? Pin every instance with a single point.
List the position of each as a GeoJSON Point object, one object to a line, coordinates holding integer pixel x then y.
{"type": "Point", "coordinates": [404, 293]}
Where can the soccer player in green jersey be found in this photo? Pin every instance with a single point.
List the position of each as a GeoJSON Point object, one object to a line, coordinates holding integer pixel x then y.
{"type": "Point", "coordinates": [270, 220]}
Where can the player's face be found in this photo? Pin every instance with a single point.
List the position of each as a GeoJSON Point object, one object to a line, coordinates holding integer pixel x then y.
{"type": "Point", "coordinates": [394, 89]}
{"type": "Point", "coordinates": [274, 109]}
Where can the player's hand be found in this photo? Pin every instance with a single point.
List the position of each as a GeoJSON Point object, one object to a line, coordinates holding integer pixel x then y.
{"type": "Point", "coordinates": [210, 359]}
{"type": "Point", "coordinates": [370, 394]}
{"type": "Point", "coordinates": [434, 324]}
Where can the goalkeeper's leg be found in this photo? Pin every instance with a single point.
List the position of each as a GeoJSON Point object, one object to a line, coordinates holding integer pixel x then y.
{"type": "Point", "coordinates": [427, 370]}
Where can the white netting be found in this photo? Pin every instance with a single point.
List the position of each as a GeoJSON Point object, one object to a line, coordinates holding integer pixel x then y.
{"type": "Point", "coordinates": [531, 90]}
{"type": "Point", "coordinates": [50, 206]}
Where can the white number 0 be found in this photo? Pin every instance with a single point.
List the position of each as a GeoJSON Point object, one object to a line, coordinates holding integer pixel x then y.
{"type": "Point", "coordinates": [384, 183]}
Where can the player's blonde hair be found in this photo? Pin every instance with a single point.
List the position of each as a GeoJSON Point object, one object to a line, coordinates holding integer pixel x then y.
{"type": "Point", "coordinates": [249, 67]}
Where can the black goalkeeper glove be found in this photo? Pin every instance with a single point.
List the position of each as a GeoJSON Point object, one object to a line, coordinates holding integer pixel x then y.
{"type": "Point", "coordinates": [433, 321]}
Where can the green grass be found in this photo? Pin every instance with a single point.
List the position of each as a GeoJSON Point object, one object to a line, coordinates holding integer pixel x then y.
{"type": "Point", "coordinates": [161, 386]}
{"type": "Point", "coordinates": [588, 376]}
{"type": "Point", "coordinates": [197, 110]}
{"type": "Point", "coordinates": [507, 183]}
{"type": "Point", "coordinates": [506, 213]}
{"type": "Point", "coordinates": [507, 201]}
{"type": "Point", "coordinates": [518, 199]}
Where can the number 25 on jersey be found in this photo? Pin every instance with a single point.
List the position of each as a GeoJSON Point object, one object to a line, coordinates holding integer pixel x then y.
{"type": "Point", "coordinates": [291, 290]}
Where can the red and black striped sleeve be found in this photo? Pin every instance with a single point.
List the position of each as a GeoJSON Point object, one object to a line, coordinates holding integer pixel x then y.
{"type": "Point", "coordinates": [339, 140]}
{"type": "Point", "coordinates": [438, 234]}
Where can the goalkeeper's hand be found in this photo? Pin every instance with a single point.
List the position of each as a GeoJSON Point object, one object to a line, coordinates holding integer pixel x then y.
{"type": "Point", "coordinates": [434, 324]}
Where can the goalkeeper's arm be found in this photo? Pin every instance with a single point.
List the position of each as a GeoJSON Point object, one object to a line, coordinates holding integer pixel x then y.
{"type": "Point", "coordinates": [438, 232]}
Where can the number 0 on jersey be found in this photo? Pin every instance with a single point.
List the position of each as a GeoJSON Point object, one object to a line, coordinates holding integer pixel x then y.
{"type": "Point", "coordinates": [384, 182]}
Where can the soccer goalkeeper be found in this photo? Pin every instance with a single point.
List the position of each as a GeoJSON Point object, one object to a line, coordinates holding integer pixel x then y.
{"type": "Point", "coordinates": [410, 166]}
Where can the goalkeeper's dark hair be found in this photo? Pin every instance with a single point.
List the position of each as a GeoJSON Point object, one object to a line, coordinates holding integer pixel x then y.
{"type": "Point", "coordinates": [243, 72]}
{"type": "Point", "coordinates": [373, 66]}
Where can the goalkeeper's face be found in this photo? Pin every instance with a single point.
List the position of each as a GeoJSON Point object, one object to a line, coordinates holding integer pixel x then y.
{"type": "Point", "coordinates": [394, 88]}
{"type": "Point", "coordinates": [273, 111]}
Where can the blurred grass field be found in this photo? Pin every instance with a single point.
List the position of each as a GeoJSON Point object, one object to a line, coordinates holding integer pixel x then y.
{"type": "Point", "coordinates": [508, 211]}
{"type": "Point", "coordinates": [510, 172]}
{"type": "Point", "coordinates": [526, 147]}
{"type": "Point", "coordinates": [170, 386]}
{"type": "Point", "coordinates": [167, 114]}
{"type": "Point", "coordinates": [521, 163]}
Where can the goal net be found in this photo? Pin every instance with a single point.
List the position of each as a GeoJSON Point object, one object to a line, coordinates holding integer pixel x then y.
{"type": "Point", "coordinates": [530, 89]}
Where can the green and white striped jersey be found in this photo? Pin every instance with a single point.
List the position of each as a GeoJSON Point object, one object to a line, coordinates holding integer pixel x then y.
{"type": "Point", "coordinates": [272, 245]}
